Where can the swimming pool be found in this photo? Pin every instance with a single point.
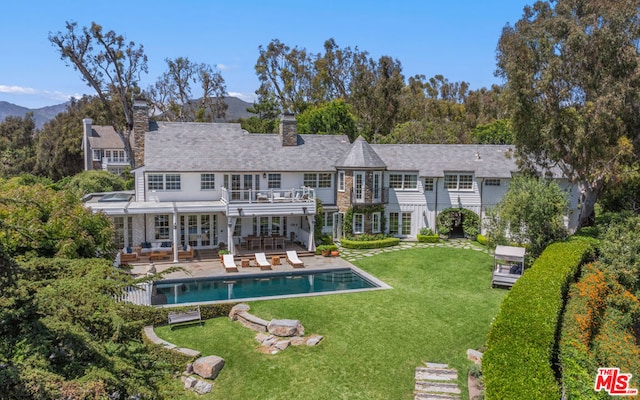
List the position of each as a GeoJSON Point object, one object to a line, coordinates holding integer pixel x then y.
{"type": "Point", "coordinates": [226, 288]}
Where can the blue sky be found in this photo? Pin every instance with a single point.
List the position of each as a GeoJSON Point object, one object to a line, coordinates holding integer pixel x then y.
{"type": "Point", "coordinates": [454, 38]}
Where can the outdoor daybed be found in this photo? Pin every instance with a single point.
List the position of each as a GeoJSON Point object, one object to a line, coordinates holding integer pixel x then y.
{"type": "Point", "coordinates": [508, 265]}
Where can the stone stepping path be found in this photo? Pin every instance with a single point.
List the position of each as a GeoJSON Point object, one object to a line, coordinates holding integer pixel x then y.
{"type": "Point", "coordinates": [436, 382]}
{"type": "Point", "coordinates": [356, 254]}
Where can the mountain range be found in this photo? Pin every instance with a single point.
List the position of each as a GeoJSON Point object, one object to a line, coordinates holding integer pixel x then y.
{"type": "Point", "coordinates": [237, 109]}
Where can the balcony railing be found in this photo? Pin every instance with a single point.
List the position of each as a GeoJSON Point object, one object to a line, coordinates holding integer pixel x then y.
{"type": "Point", "coordinates": [303, 194]}
{"type": "Point", "coordinates": [114, 161]}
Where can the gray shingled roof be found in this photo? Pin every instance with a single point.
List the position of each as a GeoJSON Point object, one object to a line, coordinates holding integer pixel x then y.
{"type": "Point", "coordinates": [105, 137]}
{"type": "Point", "coordinates": [361, 155]}
{"type": "Point", "coordinates": [176, 146]}
{"type": "Point", "coordinates": [494, 161]}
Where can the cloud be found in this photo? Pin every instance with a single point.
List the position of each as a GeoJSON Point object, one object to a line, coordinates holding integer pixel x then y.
{"type": "Point", "coordinates": [248, 97]}
{"type": "Point", "coordinates": [17, 90]}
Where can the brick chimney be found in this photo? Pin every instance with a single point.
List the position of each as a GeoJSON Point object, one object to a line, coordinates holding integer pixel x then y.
{"type": "Point", "coordinates": [86, 145]}
{"type": "Point", "coordinates": [140, 128]}
{"type": "Point", "coordinates": [288, 130]}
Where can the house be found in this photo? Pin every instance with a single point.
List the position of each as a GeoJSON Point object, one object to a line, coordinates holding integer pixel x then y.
{"type": "Point", "coordinates": [103, 148]}
{"type": "Point", "coordinates": [203, 184]}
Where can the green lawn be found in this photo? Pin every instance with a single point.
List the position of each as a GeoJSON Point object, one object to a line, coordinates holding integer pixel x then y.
{"type": "Point", "coordinates": [441, 304]}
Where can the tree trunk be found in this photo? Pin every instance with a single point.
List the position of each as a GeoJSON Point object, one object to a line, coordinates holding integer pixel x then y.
{"type": "Point", "coordinates": [587, 203]}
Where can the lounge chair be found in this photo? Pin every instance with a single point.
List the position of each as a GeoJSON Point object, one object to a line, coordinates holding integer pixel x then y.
{"type": "Point", "coordinates": [292, 258]}
{"type": "Point", "coordinates": [261, 260]}
{"type": "Point", "coordinates": [229, 263]}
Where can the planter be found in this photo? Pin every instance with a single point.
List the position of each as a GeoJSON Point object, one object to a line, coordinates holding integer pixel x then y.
{"type": "Point", "coordinates": [335, 253]}
{"type": "Point", "coordinates": [326, 253]}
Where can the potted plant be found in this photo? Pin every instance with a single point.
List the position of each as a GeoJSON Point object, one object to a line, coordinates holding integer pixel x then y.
{"type": "Point", "coordinates": [324, 250]}
{"type": "Point", "coordinates": [334, 250]}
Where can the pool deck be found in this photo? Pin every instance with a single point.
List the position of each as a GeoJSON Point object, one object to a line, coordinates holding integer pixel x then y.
{"type": "Point", "coordinates": [214, 268]}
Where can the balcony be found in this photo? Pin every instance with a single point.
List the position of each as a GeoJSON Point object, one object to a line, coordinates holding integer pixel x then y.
{"type": "Point", "coordinates": [251, 202]}
{"type": "Point", "coordinates": [111, 161]}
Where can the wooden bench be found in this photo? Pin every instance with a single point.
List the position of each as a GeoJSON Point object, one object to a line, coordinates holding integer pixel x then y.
{"type": "Point", "coordinates": [183, 317]}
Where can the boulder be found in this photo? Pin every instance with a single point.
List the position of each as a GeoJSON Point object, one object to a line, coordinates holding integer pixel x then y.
{"type": "Point", "coordinates": [261, 337]}
{"type": "Point", "coordinates": [238, 308]}
{"type": "Point", "coordinates": [189, 369]}
{"type": "Point", "coordinates": [285, 327]}
{"type": "Point", "coordinates": [189, 382]}
{"type": "Point", "coordinates": [314, 340]}
{"type": "Point", "coordinates": [282, 344]}
{"type": "Point", "coordinates": [297, 341]}
{"type": "Point", "coordinates": [208, 367]}
{"type": "Point", "coordinates": [202, 387]}
{"type": "Point", "coordinates": [474, 355]}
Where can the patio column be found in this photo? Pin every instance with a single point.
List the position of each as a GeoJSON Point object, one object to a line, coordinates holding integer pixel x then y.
{"type": "Point", "coordinates": [311, 246]}
{"type": "Point", "coordinates": [175, 236]}
{"type": "Point", "coordinates": [231, 223]}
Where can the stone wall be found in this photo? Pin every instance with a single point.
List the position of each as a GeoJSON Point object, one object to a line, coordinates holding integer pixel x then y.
{"type": "Point", "coordinates": [140, 128]}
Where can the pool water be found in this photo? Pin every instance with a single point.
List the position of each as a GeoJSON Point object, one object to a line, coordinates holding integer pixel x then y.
{"type": "Point", "coordinates": [257, 286]}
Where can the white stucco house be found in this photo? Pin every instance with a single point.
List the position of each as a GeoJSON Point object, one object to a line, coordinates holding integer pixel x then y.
{"type": "Point", "coordinates": [201, 184]}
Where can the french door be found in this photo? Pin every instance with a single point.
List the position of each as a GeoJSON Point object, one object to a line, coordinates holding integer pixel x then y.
{"type": "Point", "coordinates": [198, 230]}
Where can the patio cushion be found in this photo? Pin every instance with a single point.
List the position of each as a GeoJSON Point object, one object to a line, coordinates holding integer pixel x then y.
{"type": "Point", "coordinates": [145, 245]}
{"type": "Point", "coordinates": [165, 244]}
{"type": "Point", "coordinates": [128, 250]}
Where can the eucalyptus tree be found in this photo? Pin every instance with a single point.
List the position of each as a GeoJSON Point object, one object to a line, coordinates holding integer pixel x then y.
{"type": "Point", "coordinates": [109, 65]}
{"type": "Point", "coordinates": [573, 76]}
{"type": "Point", "coordinates": [175, 97]}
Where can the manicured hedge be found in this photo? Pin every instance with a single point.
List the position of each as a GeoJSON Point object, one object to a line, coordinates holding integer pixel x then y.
{"type": "Point", "coordinates": [521, 343]}
{"type": "Point", "coordinates": [371, 244]}
{"type": "Point", "coordinates": [429, 238]}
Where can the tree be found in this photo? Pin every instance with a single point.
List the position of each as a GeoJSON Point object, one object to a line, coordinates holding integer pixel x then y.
{"type": "Point", "coordinates": [17, 145]}
{"type": "Point", "coordinates": [619, 252]}
{"type": "Point", "coordinates": [59, 151]}
{"type": "Point", "coordinates": [333, 118]}
{"type": "Point", "coordinates": [37, 220]}
{"type": "Point", "coordinates": [496, 132]}
{"type": "Point", "coordinates": [531, 214]}
{"type": "Point", "coordinates": [109, 65]}
{"type": "Point", "coordinates": [173, 95]}
{"type": "Point", "coordinates": [95, 182]}
{"type": "Point", "coordinates": [573, 81]}
{"type": "Point", "coordinates": [287, 74]}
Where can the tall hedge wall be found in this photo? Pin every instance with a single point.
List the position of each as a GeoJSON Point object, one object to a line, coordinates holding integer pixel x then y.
{"type": "Point", "coordinates": [521, 345]}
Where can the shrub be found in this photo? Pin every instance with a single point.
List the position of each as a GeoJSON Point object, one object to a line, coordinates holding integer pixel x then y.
{"type": "Point", "coordinates": [482, 239]}
{"type": "Point", "coordinates": [428, 238]}
{"type": "Point", "coordinates": [373, 244]}
{"type": "Point", "coordinates": [448, 218]}
{"type": "Point", "coordinates": [520, 346]}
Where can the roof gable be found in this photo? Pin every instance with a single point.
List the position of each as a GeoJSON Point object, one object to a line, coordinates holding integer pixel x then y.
{"type": "Point", "coordinates": [361, 155]}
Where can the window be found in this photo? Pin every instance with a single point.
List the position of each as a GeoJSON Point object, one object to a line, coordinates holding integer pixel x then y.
{"type": "Point", "coordinates": [161, 224]}
{"type": "Point", "coordinates": [324, 180]}
{"type": "Point", "coordinates": [274, 181]}
{"type": "Point", "coordinates": [375, 222]}
{"type": "Point", "coordinates": [358, 186]}
{"type": "Point", "coordinates": [328, 219]}
{"type": "Point", "coordinates": [406, 223]}
{"type": "Point", "coordinates": [97, 155]}
{"type": "Point", "coordinates": [310, 180]}
{"type": "Point", "coordinates": [377, 178]}
{"type": "Point", "coordinates": [172, 181]}
{"type": "Point", "coordinates": [428, 184]}
{"type": "Point", "coordinates": [492, 182]}
{"type": "Point", "coordinates": [458, 181]}
{"type": "Point", "coordinates": [403, 181]}
{"type": "Point", "coordinates": [358, 223]}
{"type": "Point", "coordinates": [340, 181]}
{"type": "Point", "coordinates": [207, 181]}
{"type": "Point", "coordinates": [120, 227]}
{"type": "Point", "coordinates": [155, 182]}
{"type": "Point", "coordinates": [237, 228]}
{"type": "Point", "coordinates": [394, 223]}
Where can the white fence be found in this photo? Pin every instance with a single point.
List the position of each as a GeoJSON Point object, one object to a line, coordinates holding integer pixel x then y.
{"type": "Point", "coordinates": [139, 294]}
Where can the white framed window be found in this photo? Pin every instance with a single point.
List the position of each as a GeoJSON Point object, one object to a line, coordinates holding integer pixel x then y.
{"type": "Point", "coordinates": [358, 223]}
{"type": "Point", "coordinates": [492, 182]}
{"type": "Point", "coordinates": [207, 181]}
{"type": "Point", "coordinates": [328, 219]}
{"type": "Point", "coordinates": [97, 155]}
{"type": "Point", "coordinates": [458, 181]}
{"type": "Point", "coordinates": [394, 223]}
{"type": "Point", "coordinates": [324, 180]}
{"type": "Point", "coordinates": [121, 225]}
{"type": "Point", "coordinates": [172, 182]}
{"type": "Point", "coordinates": [403, 181]}
{"type": "Point", "coordinates": [274, 181]}
{"type": "Point", "coordinates": [400, 223]}
{"type": "Point", "coordinates": [161, 225]}
{"type": "Point", "coordinates": [375, 222]}
{"type": "Point", "coordinates": [428, 184]}
{"type": "Point", "coordinates": [406, 223]}
{"type": "Point", "coordinates": [155, 182]}
{"type": "Point", "coordinates": [340, 181]}
{"type": "Point", "coordinates": [310, 180]}
{"type": "Point", "coordinates": [377, 186]}
{"type": "Point", "coordinates": [358, 186]}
